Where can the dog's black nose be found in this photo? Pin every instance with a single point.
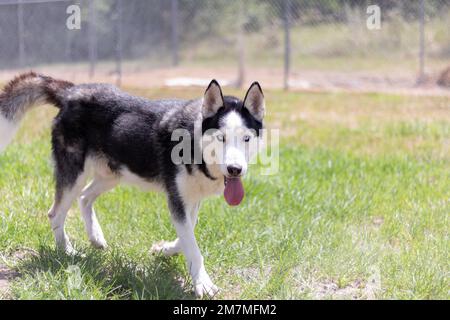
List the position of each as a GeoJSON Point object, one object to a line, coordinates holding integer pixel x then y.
{"type": "Point", "coordinates": [234, 171]}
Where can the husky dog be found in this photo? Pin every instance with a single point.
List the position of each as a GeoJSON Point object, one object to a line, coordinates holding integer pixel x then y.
{"type": "Point", "coordinates": [112, 137]}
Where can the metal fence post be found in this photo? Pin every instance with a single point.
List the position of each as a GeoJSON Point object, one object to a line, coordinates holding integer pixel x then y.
{"type": "Point", "coordinates": [241, 46]}
{"type": "Point", "coordinates": [20, 31]}
{"type": "Point", "coordinates": [422, 42]}
{"type": "Point", "coordinates": [92, 39]}
{"type": "Point", "coordinates": [118, 50]}
{"type": "Point", "coordinates": [287, 42]}
{"type": "Point", "coordinates": [174, 22]}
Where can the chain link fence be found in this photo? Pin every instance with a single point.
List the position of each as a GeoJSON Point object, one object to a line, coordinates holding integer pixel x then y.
{"type": "Point", "coordinates": [323, 44]}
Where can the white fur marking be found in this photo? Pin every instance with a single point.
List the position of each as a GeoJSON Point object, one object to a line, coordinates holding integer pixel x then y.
{"type": "Point", "coordinates": [197, 186]}
{"type": "Point", "coordinates": [235, 149]}
{"type": "Point", "coordinates": [232, 121]}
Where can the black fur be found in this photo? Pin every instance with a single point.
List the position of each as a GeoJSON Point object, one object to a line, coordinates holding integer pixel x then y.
{"type": "Point", "coordinates": [232, 104]}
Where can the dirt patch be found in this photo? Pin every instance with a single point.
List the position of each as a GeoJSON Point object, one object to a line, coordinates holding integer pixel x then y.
{"type": "Point", "coordinates": [142, 76]}
{"type": "Point", "coordinates": [329, 289]}
{"type": "Point", "coordinates": [6, 276]}
{"type": "Point", "coordinates": [318, 288]}
{"type": "Point", "coordinates": [240, 278]}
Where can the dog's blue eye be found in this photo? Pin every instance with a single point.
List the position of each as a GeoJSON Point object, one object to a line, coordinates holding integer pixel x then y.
{"type": "Point", "coordinates": [220, 137]}
{"type": "Point", "coordinates": [247, 138]}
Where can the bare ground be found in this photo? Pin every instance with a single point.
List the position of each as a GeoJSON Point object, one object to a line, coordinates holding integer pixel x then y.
{"type": "Point", "coordinates": [303, 80]}
{"type": "Point", "coordinates": [6, 276]}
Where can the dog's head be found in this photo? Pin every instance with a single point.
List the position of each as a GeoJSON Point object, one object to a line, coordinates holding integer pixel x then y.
{"type": "Point", "coordinates": [231, 132]}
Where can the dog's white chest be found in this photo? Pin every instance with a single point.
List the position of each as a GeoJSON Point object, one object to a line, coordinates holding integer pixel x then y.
{"type": "Point", "coordinates": [127, 177]}
{"type": "Point", "coordinates": [197, 186]}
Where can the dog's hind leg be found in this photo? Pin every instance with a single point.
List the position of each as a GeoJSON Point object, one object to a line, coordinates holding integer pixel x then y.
{"type": "Point", "coordinates": [70, 176]}
{"type": "Point", "coordinates": [65, 196]}
{"type": "Point", "coordinates": [170, 248]}
{"type": "Point", "coordinates": [89, 194]}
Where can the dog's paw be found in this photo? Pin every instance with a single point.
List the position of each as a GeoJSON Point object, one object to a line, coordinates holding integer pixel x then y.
{"type": "Point", "coordinates": [64, 245]}
{"type": "Point", "coordinates": [157, 247]}
{"type": "Point", "coordinates": [203, 286]}
{"type": "Point", "coordinates": [167, 248]}
{"type": "Point", "coordinates": [99, 243]}
{"type": "Point", "coordinates": [69, 250]}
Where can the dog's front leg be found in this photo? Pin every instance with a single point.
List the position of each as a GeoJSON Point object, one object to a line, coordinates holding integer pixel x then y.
{"type": "Point", "coordinates": [194, 259]}
{"type": "Point", "coordinates": [170, 248]}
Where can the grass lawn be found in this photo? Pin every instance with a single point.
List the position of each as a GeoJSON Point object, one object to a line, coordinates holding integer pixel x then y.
{"type": "Point", "coordinates": [359, 209]}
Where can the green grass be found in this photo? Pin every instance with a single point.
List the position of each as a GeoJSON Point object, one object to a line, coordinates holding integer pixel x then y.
{"type": "Point", "coordinates": [359, 209]}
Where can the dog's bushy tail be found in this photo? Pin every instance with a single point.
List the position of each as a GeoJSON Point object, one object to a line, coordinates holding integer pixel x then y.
{"type": "Point", "coordinates": [20, 95]}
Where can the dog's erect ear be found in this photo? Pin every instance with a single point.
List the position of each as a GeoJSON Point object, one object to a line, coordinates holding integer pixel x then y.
{"type": "Point", "coordinates": [254, 101]}
{"type": "Point", "coordinates": [212, 100]}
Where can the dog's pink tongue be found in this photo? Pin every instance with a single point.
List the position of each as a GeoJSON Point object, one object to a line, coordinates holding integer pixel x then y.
{"type": "Point", "coordinates": [234, 191]}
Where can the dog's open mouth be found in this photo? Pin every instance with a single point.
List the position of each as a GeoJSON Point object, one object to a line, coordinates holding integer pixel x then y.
{"type": "Point", "coordinates": [234, 191]}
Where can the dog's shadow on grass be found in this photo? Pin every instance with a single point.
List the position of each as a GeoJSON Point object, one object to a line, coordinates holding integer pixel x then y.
{"type": "Point", "coordinates": [154, 277]}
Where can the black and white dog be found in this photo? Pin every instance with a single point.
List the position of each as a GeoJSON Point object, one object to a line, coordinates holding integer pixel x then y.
{"type": "Point", "coordinates": [105, 134]}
